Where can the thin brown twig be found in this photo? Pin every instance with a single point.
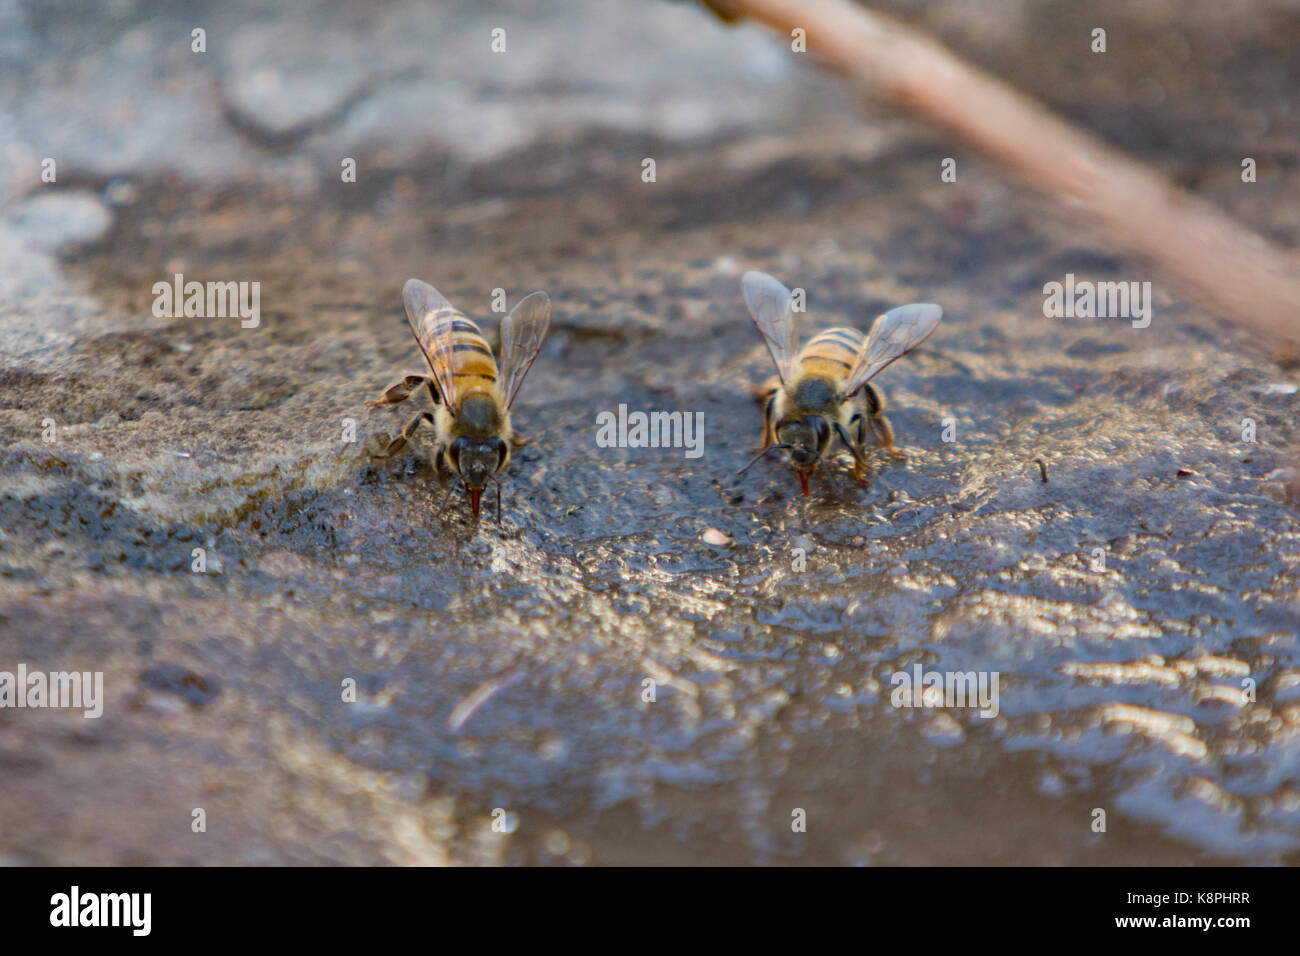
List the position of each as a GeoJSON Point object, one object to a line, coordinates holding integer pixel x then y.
{"type": "Point", "coordinates": [1250, 279]}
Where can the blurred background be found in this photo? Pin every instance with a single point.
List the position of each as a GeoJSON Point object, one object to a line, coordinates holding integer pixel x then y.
{"type": "Point", "coordinates": [770, 624]}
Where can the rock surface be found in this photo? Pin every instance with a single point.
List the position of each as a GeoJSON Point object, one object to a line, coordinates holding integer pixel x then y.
{"type": "Point", "coordinates": [1127, 603]}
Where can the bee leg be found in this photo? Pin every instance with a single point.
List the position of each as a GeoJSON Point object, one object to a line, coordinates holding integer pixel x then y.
{"type": "Point", "coordinates": [400, 391]}
{"type": "Point", "coordinates": [860, 466]}
{"type": "Point", "coordinates": [769, 400]}
{"type": "Point", "coordinates": [859, 425]}
{"type": "Point", "coordinates": [880, 427]}
{"type": "Point", "coordinates": [398, 443]}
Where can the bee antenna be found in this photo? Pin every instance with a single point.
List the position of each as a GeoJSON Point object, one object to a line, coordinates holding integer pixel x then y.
{"type": "Point", "coordinates": [826, 470]}
{"type": "Point", "coordinates": [497, 482]}
{"type": "Point", "coordinates": [446, 497]}
{"type": "Point", "coordinates": [758, 456]}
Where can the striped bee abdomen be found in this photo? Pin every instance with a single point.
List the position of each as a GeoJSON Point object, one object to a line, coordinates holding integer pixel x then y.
{"type": "Point", "coordinates": [831, 354]}
{"type": "Point", "coordinates": [450, 339]}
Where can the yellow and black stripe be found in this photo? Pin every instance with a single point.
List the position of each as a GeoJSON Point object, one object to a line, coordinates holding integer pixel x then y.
{"type": "Point", "coordinates": [831, 354]}
{"type": "Point", "coordinates": [473, 367]}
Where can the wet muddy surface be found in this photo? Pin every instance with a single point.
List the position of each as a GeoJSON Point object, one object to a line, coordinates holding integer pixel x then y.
{"type": "Point", "coordinates": [1139, 607]}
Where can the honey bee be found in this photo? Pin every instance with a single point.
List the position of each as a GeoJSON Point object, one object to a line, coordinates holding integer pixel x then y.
{"type": "Point", "coordinates": [471, 395]}
{"type": "Point", "coordinates": [814, 400]}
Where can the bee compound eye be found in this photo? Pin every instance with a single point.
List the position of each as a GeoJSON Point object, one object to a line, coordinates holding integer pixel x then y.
{"type": "Point", "coordinates": [453, 454]}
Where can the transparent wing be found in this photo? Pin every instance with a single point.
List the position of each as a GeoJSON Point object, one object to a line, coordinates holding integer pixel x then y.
{"type": "Point", "coordinates": [892, 336]}
{"type": "Point", "coordinates": [429, 313]}
{"type": "Point", "coordinates": [769, 304]}
{"type": "Point", "coordinates": [522, 334]}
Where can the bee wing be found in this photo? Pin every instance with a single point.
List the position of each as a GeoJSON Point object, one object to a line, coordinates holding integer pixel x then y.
{"type": "Point", "coordinates": [522, 334]}
{"type": "Point", "coordinates": [426, 310]}
{"type": "Point", "coordinates": [769, 304]}
{"type": "Point", "coordinates": [892, 336]}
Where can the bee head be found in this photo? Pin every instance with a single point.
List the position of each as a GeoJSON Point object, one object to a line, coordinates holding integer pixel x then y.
{"type": "Point", "coordinates": [807, 439]}
{"type": "Point", "coordinates": [476, 460]}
